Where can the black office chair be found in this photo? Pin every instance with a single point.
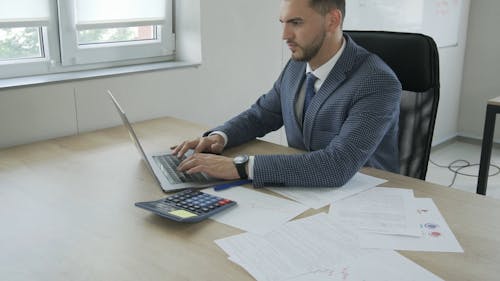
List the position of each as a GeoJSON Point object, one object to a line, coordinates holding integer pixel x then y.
{"type": "Point", "coordinates": [414, 59]}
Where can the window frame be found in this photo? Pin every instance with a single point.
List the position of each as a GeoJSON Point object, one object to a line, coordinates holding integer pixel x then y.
{"type": "Point", "coordinates": [73, 54]}
{"type": "Point", "coordinates": [33, 66]}
{"type": "Point", "coordinates": [60, 59]}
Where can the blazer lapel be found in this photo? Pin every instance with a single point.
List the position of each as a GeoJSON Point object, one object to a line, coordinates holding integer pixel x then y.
{"type": "Point", "coordinates": [334, 79]}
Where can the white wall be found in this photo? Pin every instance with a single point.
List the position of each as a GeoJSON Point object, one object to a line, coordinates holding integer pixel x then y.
{"type": "Point", "coordinates": [242, 55]}
{"type": "Point", "coordinates": [481, 80]}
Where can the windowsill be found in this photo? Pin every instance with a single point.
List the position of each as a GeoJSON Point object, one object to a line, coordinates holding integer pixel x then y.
{"type": "Point", "coordinates": [86, 74]}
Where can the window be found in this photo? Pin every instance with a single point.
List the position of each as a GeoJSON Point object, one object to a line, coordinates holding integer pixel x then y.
{"type": "Point", "coordinates": [24, 37]}
{"type": "Point", "coordinates": [49, 36]}
{"type": "Point", "coordinates": [21, 31]}
{"type": "Point", "coordinates": [117, 30]}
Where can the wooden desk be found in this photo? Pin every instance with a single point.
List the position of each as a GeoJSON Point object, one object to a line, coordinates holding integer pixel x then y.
{"type": "Point", "coordinates": [67, 213]}
{"type": "Point", "coordinates": [492, 109]}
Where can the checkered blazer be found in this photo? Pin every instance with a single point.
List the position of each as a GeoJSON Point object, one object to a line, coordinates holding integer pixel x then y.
{"type": "Point", "coordinates": [352, 121]}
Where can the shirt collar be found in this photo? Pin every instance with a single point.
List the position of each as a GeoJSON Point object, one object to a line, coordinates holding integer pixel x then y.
{"type": "Point", "coordinates": [323, 71]}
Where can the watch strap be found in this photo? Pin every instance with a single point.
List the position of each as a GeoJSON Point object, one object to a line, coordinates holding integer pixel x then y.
{"type": "Point", "coordinates": [242, 170]}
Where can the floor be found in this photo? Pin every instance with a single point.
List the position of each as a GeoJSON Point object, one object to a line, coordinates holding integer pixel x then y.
{"type": "Point", "coordinates": [463, 151]}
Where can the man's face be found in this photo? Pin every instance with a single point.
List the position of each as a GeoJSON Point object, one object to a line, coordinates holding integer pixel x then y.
{"type": "Point", "coordinates": [303, 29]}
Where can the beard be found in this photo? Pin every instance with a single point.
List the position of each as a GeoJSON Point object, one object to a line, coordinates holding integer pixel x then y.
{"type": "Point", "coordinates": [309, 51]}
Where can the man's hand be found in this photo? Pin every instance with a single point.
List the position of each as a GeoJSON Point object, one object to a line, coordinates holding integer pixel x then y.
{"type": "Point", "coordinates": [216, 166]}
{"type": "Point", "coordinates": [212, 144]}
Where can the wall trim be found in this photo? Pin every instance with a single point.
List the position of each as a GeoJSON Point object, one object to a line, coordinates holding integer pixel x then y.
{"type": "Point", "coordinates": [9, 83]}
{"type": "Point", "coordinates": [462, 138]}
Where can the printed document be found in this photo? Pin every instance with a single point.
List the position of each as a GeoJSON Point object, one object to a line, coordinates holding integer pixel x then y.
{"type": "Point", "coordinates": [376, 265]}
{"type": "Point", "coordinates": [256, 211]}
{"type": "Point", "coordinates": [316, 248]}
{"type": "Point", "coordinates": [381, 210]}
{"type": "Point", "coordinates": [317, 197]}
{"type": "Point", "coordinates": [297, 247]}
{"type": "Point", "coordinates": [435, 236]}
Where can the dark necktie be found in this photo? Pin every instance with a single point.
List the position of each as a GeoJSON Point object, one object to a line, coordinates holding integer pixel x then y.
{"type": "Point", "coordinates": [309, 92]}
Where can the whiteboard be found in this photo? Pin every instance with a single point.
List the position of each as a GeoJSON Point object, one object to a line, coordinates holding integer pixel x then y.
{"type": "Point", "coordinates": [439, 19]}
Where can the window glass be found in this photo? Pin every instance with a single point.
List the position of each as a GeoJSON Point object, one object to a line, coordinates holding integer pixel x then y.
{"type": "Point", "coordinates": [20, 43]}
{"type": "Point", "coordinates": [116, 35]}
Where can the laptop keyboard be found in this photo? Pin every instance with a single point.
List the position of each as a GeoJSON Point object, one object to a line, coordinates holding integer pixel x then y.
{"type": "Point", "coordinates": [168, 164]}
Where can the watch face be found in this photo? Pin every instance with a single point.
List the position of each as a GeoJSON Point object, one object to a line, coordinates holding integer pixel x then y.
{"type": "Point", "coordinates": [240, 159]}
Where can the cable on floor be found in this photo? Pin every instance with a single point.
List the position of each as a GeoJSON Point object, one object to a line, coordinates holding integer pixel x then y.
{"type": "Point", "coordinates": [456, 168]}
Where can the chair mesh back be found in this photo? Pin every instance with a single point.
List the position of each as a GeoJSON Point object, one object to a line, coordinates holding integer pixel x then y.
{"type": "Point", "coordinates": [414, 59]}
{"type": "Point", "coordinates": [416, 118]}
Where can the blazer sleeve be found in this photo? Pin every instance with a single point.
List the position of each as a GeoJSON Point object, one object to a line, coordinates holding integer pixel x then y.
{"type": "Point", "coordinates": [373, 112]}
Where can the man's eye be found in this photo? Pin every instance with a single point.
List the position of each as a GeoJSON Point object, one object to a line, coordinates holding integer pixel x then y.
{"type": "Point", "coordinates": [296, 22]}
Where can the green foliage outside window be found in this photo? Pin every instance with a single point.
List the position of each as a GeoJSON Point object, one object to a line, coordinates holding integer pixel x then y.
{"type": "Point", "coordinates": [105, 35]}
{"type": "Point", "coordinates": [17, 43]}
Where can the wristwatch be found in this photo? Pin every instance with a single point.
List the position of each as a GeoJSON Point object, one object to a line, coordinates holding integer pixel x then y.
{"type": "Point", "coordinates": [241, 162]}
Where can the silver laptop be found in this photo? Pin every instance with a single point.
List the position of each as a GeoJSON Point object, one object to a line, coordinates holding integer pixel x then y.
{"type": "Point", "coordinates": [164, 166]}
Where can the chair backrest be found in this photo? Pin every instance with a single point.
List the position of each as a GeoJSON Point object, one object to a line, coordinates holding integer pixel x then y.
{"type": "Point", "coordinates": [414, 59]}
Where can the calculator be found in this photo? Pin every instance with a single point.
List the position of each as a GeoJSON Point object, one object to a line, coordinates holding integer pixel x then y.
{"type": "Point", "coordinates": [189, 205]}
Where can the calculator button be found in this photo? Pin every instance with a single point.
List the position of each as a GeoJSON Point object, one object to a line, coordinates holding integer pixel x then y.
{"type": "Point", "coordinates": [224, 202]}
{"type": "Point", "coordinates": [164, 208]}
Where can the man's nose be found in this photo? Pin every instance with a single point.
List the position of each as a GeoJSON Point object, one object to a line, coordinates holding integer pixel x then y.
{"type": "Point", "coordinates": [286, 34]}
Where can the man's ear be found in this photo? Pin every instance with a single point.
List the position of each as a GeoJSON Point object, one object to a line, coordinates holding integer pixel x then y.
{"type": "Point", "coordinates": [334, 20]}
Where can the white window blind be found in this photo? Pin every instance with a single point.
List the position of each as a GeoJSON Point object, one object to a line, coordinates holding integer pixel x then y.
{"type": "Point", "coordinates": [119, 13]}
{"type": "Point", "coordinates": [24, 13]}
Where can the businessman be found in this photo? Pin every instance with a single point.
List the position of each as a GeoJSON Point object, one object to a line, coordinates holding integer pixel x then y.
{"type": "Point", "coordinates": [337, 101]}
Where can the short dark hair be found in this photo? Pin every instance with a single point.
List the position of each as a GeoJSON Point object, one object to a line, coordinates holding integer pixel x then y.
{"type": "Point", "coordinates": [325, 6]}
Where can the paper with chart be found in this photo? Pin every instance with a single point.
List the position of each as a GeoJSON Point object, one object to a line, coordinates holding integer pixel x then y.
{"type": "Point", "coordinates": [381, 210]}
{"type": "Point", "coordinates": [316, 248]}
{"type": "Point", "coordinates": [256, 211]}
{"type": "Point", "coordinates": [436, 236]}
{"type": "Point", "coordinates": [317, 197]}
